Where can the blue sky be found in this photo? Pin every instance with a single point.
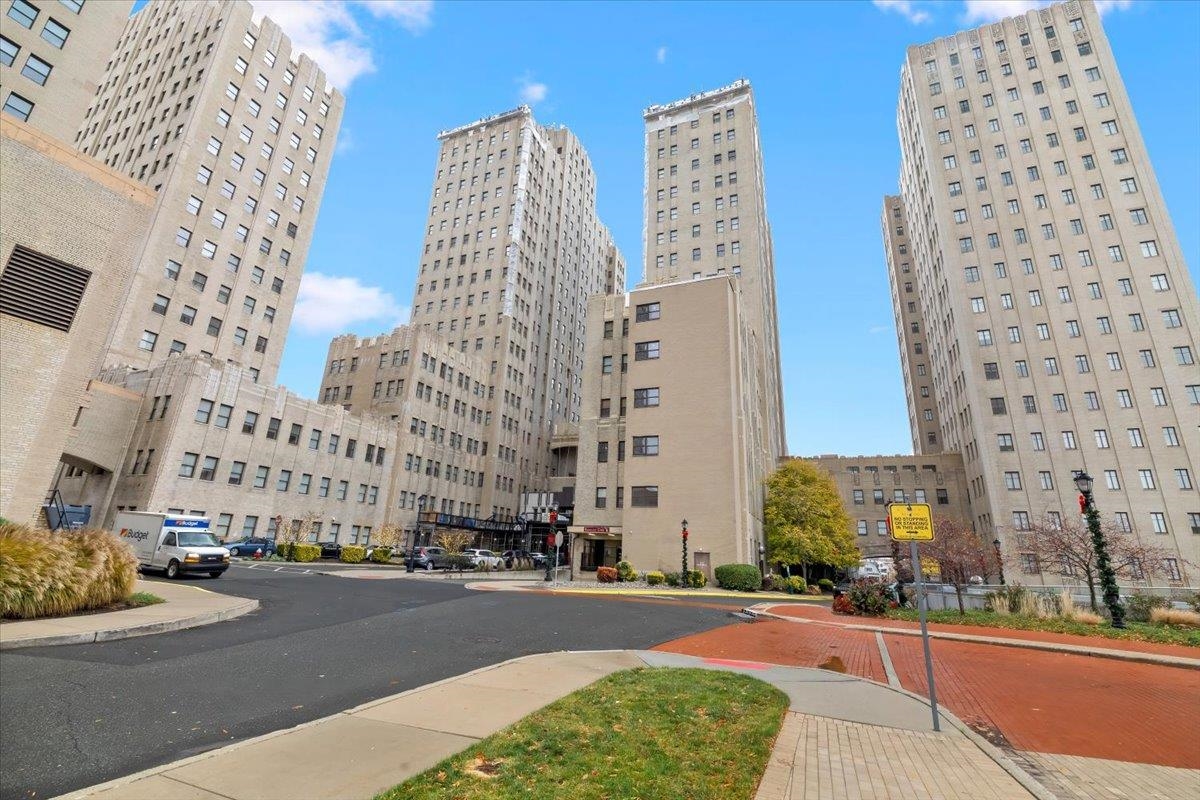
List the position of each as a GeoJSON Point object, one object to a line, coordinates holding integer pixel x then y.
{"type": "Point", "coordinates": [825, 76]}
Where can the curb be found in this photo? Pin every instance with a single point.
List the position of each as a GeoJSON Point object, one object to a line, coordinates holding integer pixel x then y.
{"type": "Point", "coordinates": [88, 791]}
{"type": "Point", "coordinates": [1131, 656]}
{"type": "Point", "coordinates": [146, 629]}
{"type": "Point", "coordinates": [669, 593]}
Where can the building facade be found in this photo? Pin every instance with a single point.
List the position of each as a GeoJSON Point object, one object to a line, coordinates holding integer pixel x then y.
{"type": "Point", "coordinates": [71, 231]}
{"type": "Point", "coordinates": [682, 415]}
{"type": "Point", "coordinates": [208, 439]}
{"type": "Point", "coordinates": [512, 249]}
{"type": "Point", "coordinates": [235, 132]}
{"type": "Point", "coordinates": [50, 56]}
{"type": "Point", "coordinates": [1059, 318]}
{"type": "Point", "coordinates": [868, 483]}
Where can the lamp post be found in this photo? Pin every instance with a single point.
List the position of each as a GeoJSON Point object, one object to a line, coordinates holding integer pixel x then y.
{"type": "Point", "coordinates": [684, 577]}
{"type": "Point", "coordinates": [999, 560]}
{"type": "Point", "coordinates": [762, 558]}
{"type": "Point", "coordinates": [1108, 578]}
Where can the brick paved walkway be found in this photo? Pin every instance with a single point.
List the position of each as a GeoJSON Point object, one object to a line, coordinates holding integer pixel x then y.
{"type": "Point", "coordinates": [817, 758]}
{"type": "Point", "coordinates": [1021, 699]}
{"type": "Point", "coordinates": [824, 614]}
{"type": "Point", "coordinates": [1078, 778]}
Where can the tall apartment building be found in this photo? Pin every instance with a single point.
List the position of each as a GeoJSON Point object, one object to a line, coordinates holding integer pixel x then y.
{"type": "Point", "coordinates": [923, 418]}
{"type": "Point", "coordinates": [1059, 320]}
{"type": "Point", "coordinates": [683, 414]}
{"type": "Point", "coordinates": [512, 250]}
{"type": "Point", "coordinates": [235, 133]}
{"type": "Point", "coordinates": [51, 52]}
{"type": "Point", "coordinates": [706, 212]}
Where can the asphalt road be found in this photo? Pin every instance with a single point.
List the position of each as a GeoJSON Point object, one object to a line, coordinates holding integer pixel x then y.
{"type": "Point", "coordinates": [78, 715]}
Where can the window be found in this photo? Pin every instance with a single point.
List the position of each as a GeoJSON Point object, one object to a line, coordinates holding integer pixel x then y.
{"type": "Point", "coordinates": [187, 468]}
{"type": "Point", "coordinates": [148, 340]}
{"type": "Point", "coordinates": [1183, 478]}
{"type": "Point", "coordinates": [644, 496]}
{"type": "Point", "coordinates": [645, 398]}
{"type": "Point", "coordinates": [601, 496]}
{"type": "Point", "coordinates": [36, 70]}
{"type": "Point", "coordinates": [647, 312]}
{"type": "Point", "coordinates": [645, 445]}
{"type": "Point", "coordinates": [645, 351]}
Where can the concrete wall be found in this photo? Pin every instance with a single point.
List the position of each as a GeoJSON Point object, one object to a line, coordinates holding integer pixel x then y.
{"type": "Point", "coordinates": [67, 206]}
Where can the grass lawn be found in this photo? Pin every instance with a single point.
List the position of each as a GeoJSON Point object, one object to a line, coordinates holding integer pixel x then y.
{"type": "Point", "coordinates": [1136, 631]}
{"type": "Point", "coordinates": [139, 599]}
{"type": "Point", "coordinates": [649, 733]}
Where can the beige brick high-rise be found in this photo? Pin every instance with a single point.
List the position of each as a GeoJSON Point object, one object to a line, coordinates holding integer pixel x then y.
{"type": "Point", "coordinates": [51, 57]}
{"type": "Point", "coordinates": [1062, 322]}
{"type": "Point", "coordinates": [683, 413]}
{"type": "Point", "coordinates": [235, 133]}
{"type": "Point", "coordinates": [512, 249]}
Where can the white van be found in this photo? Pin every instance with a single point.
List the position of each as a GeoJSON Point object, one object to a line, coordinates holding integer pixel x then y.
{"type": "Point", "coordinates": [174, 543]}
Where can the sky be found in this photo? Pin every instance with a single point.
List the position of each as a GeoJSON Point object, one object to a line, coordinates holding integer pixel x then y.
{"type": "Point", "coordinates": [825, 77]}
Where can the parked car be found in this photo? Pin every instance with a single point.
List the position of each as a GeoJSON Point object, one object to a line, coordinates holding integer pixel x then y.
{"type": "Point", "coordinates": [484, 558]}
{"type": "Point", "coordinates": [429, 558]}
{"type": "Point", "coordinates": [248, 545]}
{"type": "Point", "coordinates": [512, 556]}
{"type": "Point", "coordinates": [331, 549]}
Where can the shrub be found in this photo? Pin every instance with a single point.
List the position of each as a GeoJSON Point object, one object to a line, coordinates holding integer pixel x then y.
{"type": "Point", "coordinates": [626, 572]}
{"type": "Point", "coordinates": [284, 550]}
{"type": "Point", "coordinates": [778, 583]}
{"type": "Point", "coordinates": [1194, 601]}
{"type": "Point", "coordinates": [825, 585]}
{"type": "Point", "coordinates": [306, 552]}
{"type": "Point", "coordinates": [655, 578]}
{"type": "Point", "coordinates": [842, 605]}
{"type": "Point", "coordinates": [1087, 617]}
{"type": "Point", "coordinates": [814, 590]}
{"type": "Point", "coordinates": [44, 574]}
{"type": "Point", "coordinates": [672, 578]}
{"type": "Point", "coordinates": [697, 579]}
{"type": "Point", "coordinates": [382, 555]}
{"type": "Point", "coordinates": [797, 584]}
{"type": "Point", "coordinates": [869, 598]}
{"type": "Point", "coordinates": [457, 562]}
{"type": "Point", "coordinates": [738, 577]}
{"type": "Point", "coordinates": [353, 554]}
{"type": "Point", "coordinates": [1175, 616]}
{"type": "Point", "coordinates": [606, 574]}
{"type": "Point", "coordinates": [1139, 606]}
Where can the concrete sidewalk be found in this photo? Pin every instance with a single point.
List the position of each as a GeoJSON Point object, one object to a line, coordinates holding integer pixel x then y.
{"type": "Point", "coordinates": [837, 724]}
{"type": "Point", "coordinates": [186, 606]}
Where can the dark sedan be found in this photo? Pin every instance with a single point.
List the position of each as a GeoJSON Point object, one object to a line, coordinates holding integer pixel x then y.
{"type": "Point", "coordinates": [249, 545]}
{"type": "Point", "coordinates": [331, 549]}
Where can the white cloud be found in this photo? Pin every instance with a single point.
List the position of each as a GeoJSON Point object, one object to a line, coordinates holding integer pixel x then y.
{"type": "Point", "coordinates": [660, 55]}
{"type": "Point", "coordinates": [329, 32]}
{"type": "Point", "coordinates": [992, 10]}
{"type": "Point", "coordinates": [878, 329]}
{"type": "Point", "coordinates": [414, 15]}
{"type": "Point", "coordinates": [332, 304]}
{"type": "Point", "coordinates": [1105, 6]}
{"type": "Point", "coordinates": [532, 91]}
{"type": "Point", "coordinates": [905, 8]}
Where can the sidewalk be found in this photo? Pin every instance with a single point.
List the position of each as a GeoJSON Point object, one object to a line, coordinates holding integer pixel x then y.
{"type": "Point", "coordinates": [185, 607]}
{"type": "Point", "coordinates": [1120, 649]}
{"type": "Point", "coordinates": [837, 725]}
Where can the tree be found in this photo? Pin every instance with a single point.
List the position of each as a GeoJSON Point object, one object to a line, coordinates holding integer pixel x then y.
{"type": "Point", "coordinates": [454, 541]}
{"type": "Point", "coordinates": [295, 532]}
{"type": "Point", "coordinates": [805, 520]}
{"type": "Point", "coordinates": [1065, 548]}
{"type": "Point", "coordinates": [960, 555]}
{"type": "Point", "coordinates": [389, 536]}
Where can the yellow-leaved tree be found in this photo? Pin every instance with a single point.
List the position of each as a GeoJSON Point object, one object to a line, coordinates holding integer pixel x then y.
{"type": "Point", "coordinates": [805, 520]}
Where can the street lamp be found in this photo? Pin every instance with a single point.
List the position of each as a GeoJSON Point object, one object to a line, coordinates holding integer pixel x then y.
{"type": "Point", "coordinates": [684, 577]}
{"type": "Point", "coordinates": [762, 558]}
{"type": "Point", "coordinates": [999, 560]}
{"type": "Point", "coordinates": [1108, 578]}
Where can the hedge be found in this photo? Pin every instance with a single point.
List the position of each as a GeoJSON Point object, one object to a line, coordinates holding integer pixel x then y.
{"type": "Point", "coordinates": [606, 574]}
{"type": "Point", "coordinates": [382, 555]}
{"type": "Point", "coordinates": [626, 572]}
{"type": "Point", "coordinates": [303, 551]}
{"type": "Point", "coordinates": [353, 554]}
{"type": "Point", "coordinates": [51, 574]}
{"type": "Point", "coordinates": [738, 577]}
{"type": "Point", "coordinates": [655, 578]}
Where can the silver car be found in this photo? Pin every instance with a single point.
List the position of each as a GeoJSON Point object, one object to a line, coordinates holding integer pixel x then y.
{"type": "Point", "coordinates": [484, 558]}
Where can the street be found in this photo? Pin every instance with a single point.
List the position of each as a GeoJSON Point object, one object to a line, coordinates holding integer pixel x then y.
{"type": "Point", "coordinates": [74, 716]}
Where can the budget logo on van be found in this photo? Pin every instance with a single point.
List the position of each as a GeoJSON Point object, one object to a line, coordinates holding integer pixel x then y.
{"type": "Point", "coordinates": [129, 533]}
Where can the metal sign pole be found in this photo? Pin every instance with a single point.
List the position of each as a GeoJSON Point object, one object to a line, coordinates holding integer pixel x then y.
{"type": "Point", "coordinates": [922, 602]}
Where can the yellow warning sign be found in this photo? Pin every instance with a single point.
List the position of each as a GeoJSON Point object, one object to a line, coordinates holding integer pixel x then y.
{"type": "Point", "coordinates": [911, 522]}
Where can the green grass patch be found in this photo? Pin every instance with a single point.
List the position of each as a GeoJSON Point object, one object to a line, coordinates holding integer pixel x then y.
{"type": "Point", "coordinates": [1134, 632]}
{"type": "Point", "coordinates": [649, 733]}
{"type": "Point", "coordinates": [139, 599]}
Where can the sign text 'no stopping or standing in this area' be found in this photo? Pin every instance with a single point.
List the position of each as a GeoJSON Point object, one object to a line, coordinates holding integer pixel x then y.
{"type": "Point", "coordinates": [911, 522]}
